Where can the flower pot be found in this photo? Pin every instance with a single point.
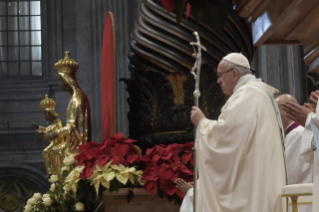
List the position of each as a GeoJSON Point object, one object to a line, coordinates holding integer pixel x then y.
{"type": "Point", "coordinates": [142, 201]}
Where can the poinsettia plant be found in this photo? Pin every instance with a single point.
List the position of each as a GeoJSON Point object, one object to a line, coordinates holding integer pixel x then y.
{"type": "Point", "coordinates": [212, 12]}
{"type": "Point", "coordinates": [164, 164]}
{"type": "Point", "coordinates": [109, 165]}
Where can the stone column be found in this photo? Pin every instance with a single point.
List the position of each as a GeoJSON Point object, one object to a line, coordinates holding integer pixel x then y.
{"type": "Point", "coordinates": [281, 67]}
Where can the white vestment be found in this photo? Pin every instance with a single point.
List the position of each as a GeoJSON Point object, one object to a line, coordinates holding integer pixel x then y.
{"type": "Point", "coordinates": [309, 156]}
{"type": "Point", "coordinates": [298, 172]}
{"type": "Point", "coordinates": [240, 157]}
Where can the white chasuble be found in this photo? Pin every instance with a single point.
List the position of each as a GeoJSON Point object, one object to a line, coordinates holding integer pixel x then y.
{"type": "Point", "coordinates": [310, 156]}
{"type": "Point", "coordinates": [240, 156]}
{"type": "Point", "coordinates": [298, 172]}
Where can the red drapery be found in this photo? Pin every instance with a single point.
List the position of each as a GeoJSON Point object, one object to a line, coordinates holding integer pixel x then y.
{"type": "Point", "coordinates": [108, 78]}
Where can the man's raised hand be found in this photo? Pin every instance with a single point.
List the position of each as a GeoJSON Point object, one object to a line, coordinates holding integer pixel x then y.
{"type": "Point", "coordinates": [314, 96]}
{"type": "Point", "coordinates": [296, 112]}
{"type": "Point", "coordinates": [311, 107]}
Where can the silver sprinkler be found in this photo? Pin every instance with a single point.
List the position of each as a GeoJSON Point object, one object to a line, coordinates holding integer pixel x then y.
{"type": "Point", "coordinates": [197, 66]}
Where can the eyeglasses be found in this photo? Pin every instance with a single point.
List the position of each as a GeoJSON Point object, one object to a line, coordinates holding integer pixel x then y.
{"type": "Point", "coordinates": [219, 75]}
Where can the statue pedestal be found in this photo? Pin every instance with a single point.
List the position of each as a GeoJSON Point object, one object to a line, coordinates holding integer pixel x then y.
{"type": "Point", "coordinates": [142, 201]}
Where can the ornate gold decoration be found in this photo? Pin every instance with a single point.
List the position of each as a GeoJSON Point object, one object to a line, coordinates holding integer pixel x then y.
{"type": "Point", "coordinates": [9, 202]}
{"type": "Point", "coordinates": [66, 64]}
{"type": "Point", "coordinates": [48, 105]}
{"type": "Point", "coordinates": [294, 200]}
{"type": "Point", "coordinates": [154, 123]}
{"type": "Point", "coordinates": [77, 130]}
{"type": "Point", "coordinates": [52, 155]}
{"type": "Point", "coordinates": [177, 80]}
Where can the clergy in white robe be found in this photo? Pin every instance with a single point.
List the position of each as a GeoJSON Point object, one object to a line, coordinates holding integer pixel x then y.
{"type": "Point", "coordinates": [298, 171]}
{"type": "Point", "coordinates": [240, 155]}
{"type": "Point", "coordinates": [304, 115]}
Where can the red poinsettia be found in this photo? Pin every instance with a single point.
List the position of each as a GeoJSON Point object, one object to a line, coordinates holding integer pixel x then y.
{"type": "Point", "coordinates": [170, 188]}
{"type": "Point", "coordinates": [187, 153]}
{"type": "Point", "coordinates": [169, 5]}
{"type": "Point", "coordinates": [151, 174]}
{"type": "Point", "coordinates": [167, 164]}
{"type": "Point", "coordinates": [161, 153]}
{"type": "Point", "coordinates": [117, 149]}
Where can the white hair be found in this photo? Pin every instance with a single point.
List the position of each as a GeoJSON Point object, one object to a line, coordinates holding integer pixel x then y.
{"type": "Point", "coordinates": [241, 70]}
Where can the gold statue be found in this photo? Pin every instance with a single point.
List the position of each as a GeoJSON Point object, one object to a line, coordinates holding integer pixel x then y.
{"type": "Point", "coordinates": [77, 130]}
{"type": "Point", "coordinates": [53, 155]}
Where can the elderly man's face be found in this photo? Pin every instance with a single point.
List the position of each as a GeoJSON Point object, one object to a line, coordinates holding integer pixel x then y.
{"type": "Point", "coordinates": [227, 78]}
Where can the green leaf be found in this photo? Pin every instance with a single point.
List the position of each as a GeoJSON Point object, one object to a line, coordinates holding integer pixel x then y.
{"type": "Point", "coordinates": [198, 4]}
{"type": "Point", "coordinates": [177, 199]}
{"type": "Point", "coordinates": [130, 195]}
{"type": "Point", "coordinates": [170, 198]}
{"type": "Point", "coordinates": [180, 7]}
{"type": "Point", "coordinates": [101, 190]}
{"type": "Point", "coordinates": [160, 193]}
{"type": "Point", "coordinates": [199, 14]}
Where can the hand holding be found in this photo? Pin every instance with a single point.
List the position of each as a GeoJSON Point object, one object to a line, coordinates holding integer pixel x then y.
{"type": "Point", "coordinates": [196, 115]}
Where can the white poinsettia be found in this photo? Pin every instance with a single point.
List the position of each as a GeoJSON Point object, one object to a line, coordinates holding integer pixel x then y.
{"type": "Point", "coordinates": [74, 177]}
{"type": "Point", "coordinates": [102, 175]}
{"type": "Point", "coordinates": [123, 173]}
{"type": "Point", "coordinates": [68, 161]}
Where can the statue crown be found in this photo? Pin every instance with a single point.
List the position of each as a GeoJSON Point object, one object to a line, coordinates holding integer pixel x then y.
{"type": "Point", "coordinates": [66, 64]}
{"type": "Point", "coordinates": [47, 104]}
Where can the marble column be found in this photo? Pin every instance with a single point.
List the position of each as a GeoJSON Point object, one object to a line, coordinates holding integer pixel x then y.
{"type": "Point", "coordinates": [281, 67]}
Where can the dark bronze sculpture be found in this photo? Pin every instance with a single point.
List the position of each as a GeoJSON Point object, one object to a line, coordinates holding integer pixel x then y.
{"type": "Point", "coordinates": [161, 86]}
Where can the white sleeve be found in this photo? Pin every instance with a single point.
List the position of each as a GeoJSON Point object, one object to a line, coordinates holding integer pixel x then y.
{"type": "Point", "coordinates": [306, 153]}
{"type": "Point", "coordinates": [187, 204]}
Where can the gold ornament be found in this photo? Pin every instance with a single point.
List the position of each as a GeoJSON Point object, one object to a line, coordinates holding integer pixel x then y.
{"type": "Point", "coordinates": [77, 130]}
{"type": "Point", "coordinates": [66, 64]}
{"type": "Point", "coordinates": [9, 202]}
{"type": "Point", "coordinates": [47, 104]}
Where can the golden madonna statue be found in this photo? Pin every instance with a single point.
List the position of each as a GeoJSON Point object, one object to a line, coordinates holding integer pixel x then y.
{"type": "Point", "coordinates": [53, 155]}
{"type": "Point", "coordinates": [77, 130]}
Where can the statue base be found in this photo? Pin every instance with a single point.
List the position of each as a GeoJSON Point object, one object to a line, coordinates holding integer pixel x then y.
{"type": "Point", "coordinates": [142, 201]}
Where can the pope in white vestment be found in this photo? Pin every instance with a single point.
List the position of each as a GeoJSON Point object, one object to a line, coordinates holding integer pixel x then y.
{"type": "Point", "coordinates": [240, 155]}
